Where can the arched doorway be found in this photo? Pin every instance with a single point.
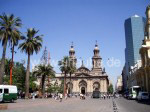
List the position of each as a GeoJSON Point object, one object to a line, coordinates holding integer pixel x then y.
{"type": "Point", "coordinates": [83, 86]}
{"type": "Point", "coordinates": [83, 90]}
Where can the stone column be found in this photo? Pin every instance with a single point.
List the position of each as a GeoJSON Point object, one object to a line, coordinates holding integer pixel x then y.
{"type": "Point", "coordinates": [74, 86]}
{"type": "Point", "coordinates": [77, 86]}
{"type": "Point", "coordinates": [101, 85]}
{"type": "Point", "coordinates": [88, 85]}
{"type": "Point", "coordinates": [105, 85]}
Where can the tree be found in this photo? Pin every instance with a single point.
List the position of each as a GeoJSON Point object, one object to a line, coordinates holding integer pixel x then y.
{"type": "Point", "coordinates": [44, 71]}
{"type": "Point", "coordinates": [110, 89]}
{"type": "Point", "coordinates": [64, 67]}
{"type": "Point", "coordinates": [7, 66]}
{"type": "Point", "coordinates": [31, 44]}
{"type": "Point", "coordinates": [8, 33]}
{"type": "Point", "coordinates": [7, 71]}
{"type": "Point", "coordinates": [61, 86]}
{"type": "Point", "coordinates": [72, 69]}
{"type": "Point", "coordinates": [19, 74]}
{"type": "Point", "coordinates": [55, 88]}
{"type": "Point", "coordinates": [32, 85]}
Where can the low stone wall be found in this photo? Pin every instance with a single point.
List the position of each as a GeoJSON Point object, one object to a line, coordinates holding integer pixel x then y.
{"type": "Point", "coordinates": [3, 106]}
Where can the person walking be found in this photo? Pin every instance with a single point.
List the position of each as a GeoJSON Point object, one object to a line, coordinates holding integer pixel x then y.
{"type": "Point", "coordinates": [66, 95]}
{"type": "Point", "coordinates": [104, 96]}
{"type": "Point", "coordinates": [61, 97]}
{"type": "Point", "coordinates": [81, 96]}
{"type": "Point", "coordinates": [109, 96]}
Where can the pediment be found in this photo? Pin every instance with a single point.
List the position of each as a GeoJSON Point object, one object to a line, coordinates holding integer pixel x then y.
{"type": "Point", "coordinates": [82, 75]}
{"type": "Point", "coordinates": [83, 70]}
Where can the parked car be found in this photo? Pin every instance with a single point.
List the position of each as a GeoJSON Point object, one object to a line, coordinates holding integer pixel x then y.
{"type": "Point", "coordinates": [8, 93]}
{"type": "Point", "coordinates": [143, 96]}
{"type": "Point", "coordinates": [126, 94]}
{"type": "Point", "coordinates": [96, 94]}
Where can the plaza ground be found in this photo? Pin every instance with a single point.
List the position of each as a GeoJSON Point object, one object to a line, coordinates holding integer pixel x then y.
{"type": "Point", "coordinates": [77, 105]}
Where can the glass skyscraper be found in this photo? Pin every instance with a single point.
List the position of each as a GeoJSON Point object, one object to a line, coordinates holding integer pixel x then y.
{"type": "Point", "coordinates": [134, 34]}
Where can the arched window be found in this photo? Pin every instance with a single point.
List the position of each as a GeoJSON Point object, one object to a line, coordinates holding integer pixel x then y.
{"type": "Point", "coordinates": [96, 86]}
{"type": "Point", "coordinates": [82, 83]}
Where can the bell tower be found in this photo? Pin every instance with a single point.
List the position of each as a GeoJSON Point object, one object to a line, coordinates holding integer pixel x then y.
{"type": "Point", "coordinates": [96, 60]}
{"type": "Point", "coordinates": [72, 54]}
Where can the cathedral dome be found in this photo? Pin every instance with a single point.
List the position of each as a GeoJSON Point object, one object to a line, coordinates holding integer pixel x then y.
{"type": "Point", "coordinates": [72, 48]}
{"type": "Point", "coordinates": [96, 47]}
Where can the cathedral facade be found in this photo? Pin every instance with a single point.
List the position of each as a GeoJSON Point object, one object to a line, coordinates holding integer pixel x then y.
{"type": "Point", "coordinates": [84, 80]}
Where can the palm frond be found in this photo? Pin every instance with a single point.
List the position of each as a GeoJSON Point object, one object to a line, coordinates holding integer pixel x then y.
{"type": "Point", "coordinates": [46, 70]}
{"type": "Point", "coordinates": [31, 42]}
{"type": "Point", "coordinates": [9, 31]}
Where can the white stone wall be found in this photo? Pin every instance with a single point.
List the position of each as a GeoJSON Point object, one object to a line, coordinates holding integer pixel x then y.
{"type": "Point", "coordinates": [90, 82]}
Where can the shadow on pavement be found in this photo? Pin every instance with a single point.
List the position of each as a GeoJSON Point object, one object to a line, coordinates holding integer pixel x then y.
{"type": "Point", "coordinates": [144, 102]}
{"type": "Point", "coordinates": [7, 102]}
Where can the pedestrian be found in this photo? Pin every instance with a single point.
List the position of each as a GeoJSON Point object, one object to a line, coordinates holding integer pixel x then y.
{"type": "Point", "coordinates": [76, 95]}
{"type": "Point", "coordinates": [33, 96]}
{"type": "Point", "coordinates": [56, 97]}
{"type": "Point", "coordinates": [104, 96]}
{"type": "Point", "coordinates": [66, 96]}
{"type": "Point", "coordinates": [81, 96]}
{"type": "Point", "coordinates": [114, 96]}
{"type": "Point", "coordinates": [45, 95]}
{"type": "Point", "coordinates": [61, 97]}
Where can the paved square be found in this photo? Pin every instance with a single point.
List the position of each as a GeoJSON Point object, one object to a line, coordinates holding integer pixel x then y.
{"type": "Point", "coordinates": [77, 105]}
{"type": "Point", "coordinates": [69, 105]}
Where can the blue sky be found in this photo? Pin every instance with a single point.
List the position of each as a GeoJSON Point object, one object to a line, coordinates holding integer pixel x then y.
{"type": "Point", "coordinates": [80, 21]}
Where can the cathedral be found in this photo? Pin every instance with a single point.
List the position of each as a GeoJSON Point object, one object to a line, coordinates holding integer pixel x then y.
{"type": "Point", "coordinates": [84, 80]}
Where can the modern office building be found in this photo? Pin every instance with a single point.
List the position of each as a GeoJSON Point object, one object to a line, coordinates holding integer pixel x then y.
{"type": "Point", "coordinates": [134, 34]}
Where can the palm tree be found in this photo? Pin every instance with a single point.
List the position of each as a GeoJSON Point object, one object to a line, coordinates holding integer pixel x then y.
{"type": "Point", "coordinates": [44, 71]}
{"type": "Point", "coordinates": [72, 69]}
{"type": "Point", "coordinates": [8, 33]}
{"type": "Point", "coordinates": [64, 67]}
{"type": "Point", "coordinates": [31, 44]}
